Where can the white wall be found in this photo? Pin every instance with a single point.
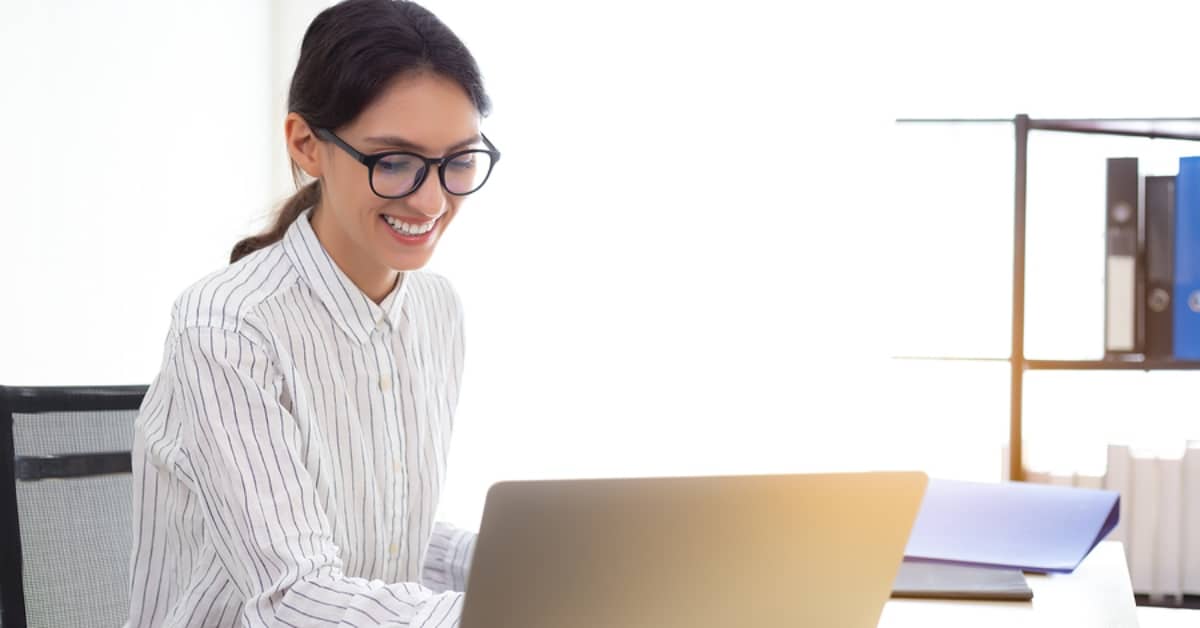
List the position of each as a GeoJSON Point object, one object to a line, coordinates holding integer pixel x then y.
{"type": "Point", "coordinates": [669, 272]}
{"type": "Point", "coordinates": [135, 154]}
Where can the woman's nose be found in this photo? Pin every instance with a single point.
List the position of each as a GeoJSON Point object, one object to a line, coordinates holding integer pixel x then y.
{"type": "Point", "coordinates": [430, 198]}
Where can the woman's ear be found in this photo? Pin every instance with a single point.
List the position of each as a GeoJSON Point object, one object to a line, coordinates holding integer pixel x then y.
{"type": "Point", "coordinates": [302, 145]}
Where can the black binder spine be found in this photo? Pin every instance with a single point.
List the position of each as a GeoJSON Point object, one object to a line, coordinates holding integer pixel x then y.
{"type": "Point", "coordinates": [1123, 281]}
{"type": "Point", "coordinates": [1160, 265]}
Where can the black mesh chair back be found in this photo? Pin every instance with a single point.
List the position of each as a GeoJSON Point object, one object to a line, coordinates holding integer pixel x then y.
{"type": "Point", "coordinates": [65, 504]}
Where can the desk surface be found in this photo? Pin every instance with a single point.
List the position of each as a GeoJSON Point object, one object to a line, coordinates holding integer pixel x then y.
{"type": "Point", "coordinates": [1097, 594]}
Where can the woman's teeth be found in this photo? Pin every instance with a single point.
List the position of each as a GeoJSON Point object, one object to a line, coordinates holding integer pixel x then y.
{"type": "Point", "coordinates": [407, 229]}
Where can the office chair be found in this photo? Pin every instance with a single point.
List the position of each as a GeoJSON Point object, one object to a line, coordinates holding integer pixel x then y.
{"type": "Point", "coordinates": [65, 504]}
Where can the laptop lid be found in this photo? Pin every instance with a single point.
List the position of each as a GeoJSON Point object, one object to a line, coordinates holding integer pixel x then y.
{"type": "Point", "coordinates": [694, 552]}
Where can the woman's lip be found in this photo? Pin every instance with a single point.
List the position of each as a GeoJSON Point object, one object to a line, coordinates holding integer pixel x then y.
{"type": "Point", "coordinates": [408, 239]}
{"type": "Point", "coordinates": [410, 221]}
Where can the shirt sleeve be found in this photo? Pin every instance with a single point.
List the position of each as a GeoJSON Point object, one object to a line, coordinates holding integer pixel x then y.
{"type": "Point", "coordinates": [448, 561]}
{"type": "Point", "coordinates": [261, 506]}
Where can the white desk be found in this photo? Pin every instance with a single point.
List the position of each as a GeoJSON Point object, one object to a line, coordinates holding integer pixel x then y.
{"type": "Point", "coordinates": [1096, 595]}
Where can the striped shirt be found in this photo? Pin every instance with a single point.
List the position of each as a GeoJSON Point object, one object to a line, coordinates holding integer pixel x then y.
{"type": "Point", "coordinates": [288, 457]}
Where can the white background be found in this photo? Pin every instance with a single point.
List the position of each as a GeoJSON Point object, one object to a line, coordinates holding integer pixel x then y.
{"type": "Point", "coordinates": [704, 240]}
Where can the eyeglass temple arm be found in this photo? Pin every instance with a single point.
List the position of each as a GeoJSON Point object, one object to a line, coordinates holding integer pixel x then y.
{"type": "Point", "coordinates": [491, 147]}
{"type": "Point", "coordinates": [353, 152]}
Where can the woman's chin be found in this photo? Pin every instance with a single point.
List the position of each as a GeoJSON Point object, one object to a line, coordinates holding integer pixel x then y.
{"type": "Point", "coordinates": [406, 261]}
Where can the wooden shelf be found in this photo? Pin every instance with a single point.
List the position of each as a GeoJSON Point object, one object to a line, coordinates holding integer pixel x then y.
{"type": "Point", "coordinates": [1112, 365]}
{"type": "Point", "coordinates": [1132, 364]}
{"type": "Point", "coordinates": [1188, 601]}
{"type": "Point", "coordinates": [1023, 126]}
{"type": "Point", "coordinates": [1155, 128]}
{"type": "Point", "coordinates": [948, 358]}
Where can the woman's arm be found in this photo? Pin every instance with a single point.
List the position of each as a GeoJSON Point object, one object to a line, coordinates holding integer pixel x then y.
{"type": "Point", "coordinates": [448, 561]}
{"type": "Point", "coordinates": [261, 506]}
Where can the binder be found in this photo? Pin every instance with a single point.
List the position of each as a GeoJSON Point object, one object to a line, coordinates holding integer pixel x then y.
{"type": "Point", "coordinates": [1119, 478]}
{"type": "Point", "coordinates": [1186, 309]}
{"type": "Point", "coordinates": [1190, 502]}
{"type": "Point", "coordinates": [920, 579]}
{"type": "Point", "coordinates": [1122, 281]}
{"type": "Point", "coordinates": [1168, 548]}
{"type": "Point", "coordinates": [1160, 265]}
{"type": "Point", "coordinates": [1144, 515]}
{"type": "Point", "coordinates": [1013, 525]}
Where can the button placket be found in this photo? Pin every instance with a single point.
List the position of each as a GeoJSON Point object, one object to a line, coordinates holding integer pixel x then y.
{"type": "Point", "coordinates": [389, 384]}
{"type": "Point", "coordinates": [388, 373]}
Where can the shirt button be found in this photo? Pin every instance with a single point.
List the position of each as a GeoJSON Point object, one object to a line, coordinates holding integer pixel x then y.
{"type": "Point", "coordinates": [382, 325]}
{"type": "Point", "coordinates": [397, 467]}
{"type": "Point", "coordinates": [385, 383]}
{"type": "Point", "coordinates": [393, 549]}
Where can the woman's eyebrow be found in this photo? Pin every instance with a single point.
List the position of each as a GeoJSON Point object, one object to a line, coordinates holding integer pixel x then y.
{"type": "Point", "coordinates": [399, 142]}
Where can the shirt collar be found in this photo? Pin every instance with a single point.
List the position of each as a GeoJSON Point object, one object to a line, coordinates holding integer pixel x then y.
{"type": "Point", "coordinates": [354, 312]}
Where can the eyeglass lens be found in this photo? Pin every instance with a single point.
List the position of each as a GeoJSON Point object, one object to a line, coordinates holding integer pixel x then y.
{"type": "Point", "coordinates": [396, 175]}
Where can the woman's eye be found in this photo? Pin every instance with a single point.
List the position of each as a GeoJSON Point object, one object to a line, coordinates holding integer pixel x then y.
{"type": "Point", "coordinates": [394, 166]}
{"type": "Point", "coordinates": [463, 163]}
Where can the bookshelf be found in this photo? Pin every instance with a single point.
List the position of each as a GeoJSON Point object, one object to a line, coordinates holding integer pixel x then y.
{"type": "Point", "coordinates": [1023, 126]}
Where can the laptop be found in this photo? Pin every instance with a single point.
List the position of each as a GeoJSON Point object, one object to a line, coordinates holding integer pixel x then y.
{"type": "Point", "coordinates": [758, 551]}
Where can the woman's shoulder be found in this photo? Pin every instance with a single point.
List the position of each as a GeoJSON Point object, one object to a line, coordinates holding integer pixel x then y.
{"type": "Point", "coordinates": [227, 297]}
{"type": "Point", "coordinates": [433, 281]}
{"type": "Point", "coordinates": [436, 290]}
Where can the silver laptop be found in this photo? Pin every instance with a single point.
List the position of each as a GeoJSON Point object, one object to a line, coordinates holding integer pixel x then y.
{"type": "Point", "coordinates": [818, 550]}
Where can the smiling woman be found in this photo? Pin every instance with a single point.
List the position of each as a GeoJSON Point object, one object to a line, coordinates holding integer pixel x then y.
{"type": "Point", "coordinates": [290, 455]}
{"type": "Point", "coordinates": [408, 99]}
{"type": "Point", "coordinates": [360, 205]}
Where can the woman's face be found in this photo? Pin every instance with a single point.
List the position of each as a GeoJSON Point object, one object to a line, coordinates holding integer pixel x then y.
{"type": "Point", "coordinates": [421, 113]}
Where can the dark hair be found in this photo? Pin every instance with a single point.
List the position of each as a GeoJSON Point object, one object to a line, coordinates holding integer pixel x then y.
{"type": "Point", "coordinates": [350, 52]}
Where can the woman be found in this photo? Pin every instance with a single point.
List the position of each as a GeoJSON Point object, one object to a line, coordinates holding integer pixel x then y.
{"type": "Point", "coordinates": [289, 456]}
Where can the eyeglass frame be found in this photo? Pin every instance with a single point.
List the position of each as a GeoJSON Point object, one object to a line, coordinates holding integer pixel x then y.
{"type": "Point", "coordinates": [440, 162]}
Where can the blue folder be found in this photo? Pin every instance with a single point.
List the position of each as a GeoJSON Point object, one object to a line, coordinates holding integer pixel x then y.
{"type": "Point", "coordinates": [1017, 525]}
{"type": "Point", "coordinates": [1186, 300]}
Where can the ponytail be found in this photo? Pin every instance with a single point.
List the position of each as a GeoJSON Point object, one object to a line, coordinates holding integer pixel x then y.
{"type": "Point", "coordinates": [305, 197]}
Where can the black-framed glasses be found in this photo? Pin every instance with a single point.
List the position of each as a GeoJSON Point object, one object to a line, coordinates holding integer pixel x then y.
{"type": "Point", "coordinates": [398, 173]}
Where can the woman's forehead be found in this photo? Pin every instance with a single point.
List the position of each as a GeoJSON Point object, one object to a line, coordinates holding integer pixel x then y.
{"type": "Point", "coordinates": [425, 109]}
